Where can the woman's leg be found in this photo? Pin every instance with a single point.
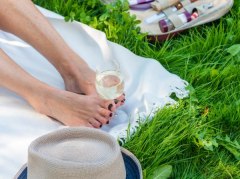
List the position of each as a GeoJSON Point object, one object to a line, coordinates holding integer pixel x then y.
{"type": "Point", "coordinates": [24, 20]}
{"type": "Point", "coordinates": [69, 108]}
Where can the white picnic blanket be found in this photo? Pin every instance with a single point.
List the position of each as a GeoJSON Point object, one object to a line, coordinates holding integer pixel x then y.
{"type": "Point", "coordinates": [148, 85]}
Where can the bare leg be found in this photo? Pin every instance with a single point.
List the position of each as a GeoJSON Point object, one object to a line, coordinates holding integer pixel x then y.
{"type": "Point", "coordinates": [69, 108]}
{"type": "Point", "coordinates": [24, 20]}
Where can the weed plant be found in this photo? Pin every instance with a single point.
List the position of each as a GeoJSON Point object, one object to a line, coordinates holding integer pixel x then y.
{"type": "Point", "coordinates": [201, 137]}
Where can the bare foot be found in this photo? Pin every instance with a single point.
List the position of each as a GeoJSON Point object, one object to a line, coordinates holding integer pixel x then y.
{"type": "Point", "coordinates": [73, 109]}
{"type": "Point", "coordinates": [80, 79]}
{"type": "Point", "coordinates": [81, 82]}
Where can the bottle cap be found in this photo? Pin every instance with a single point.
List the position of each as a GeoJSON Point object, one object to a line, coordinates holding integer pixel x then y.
{"type": "Point", "coordinates": [163, 25]}
{"type": "Point", "coordinates": [194, 15]}
{"type": "Point", "coordinates": [178, 5]}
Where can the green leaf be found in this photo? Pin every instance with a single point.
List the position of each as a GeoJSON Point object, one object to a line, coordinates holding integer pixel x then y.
{"type": "Point", "coordinates": [66, 18]}
{"type": "Point", "coordinates": [72, 15]}
{"type": "Point", "coordinates": [230, 21]}
{"type": "Point", "coordinates": [103, 17]}
{"type": "Point", "coordinates": [214, 73]}
{"type": "Point", "coordinates": [232, 150]}
{"type": "Point", "coordinates": [232, 147]}
{"type": "Point", "coordinates": [144, 173]}
{"type": "Point", "coordinates": [234, 50]}
{"type": "Point", "coordinates": [163, 172]}
{"type": "Point", "coordinates": [205, 141]}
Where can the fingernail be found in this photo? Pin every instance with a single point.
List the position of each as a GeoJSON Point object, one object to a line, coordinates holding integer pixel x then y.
{"type": "Point", "coordinates": [108, 122]}
{"type": "Point", "coordinates": [110, 115]}
{"type": "Point", "coordinates": [110, 107]}
{"type": "Point", "coordinates": [115, 101]}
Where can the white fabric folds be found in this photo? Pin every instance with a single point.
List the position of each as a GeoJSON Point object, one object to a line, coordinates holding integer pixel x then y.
{"type": "Point", "coordinates": [148, 86]}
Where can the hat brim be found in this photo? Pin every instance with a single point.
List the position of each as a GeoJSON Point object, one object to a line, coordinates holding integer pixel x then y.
{"type": "Point", "coordinates": [22, 173]}
{"type": "Point", "coordinates": [132, 167]}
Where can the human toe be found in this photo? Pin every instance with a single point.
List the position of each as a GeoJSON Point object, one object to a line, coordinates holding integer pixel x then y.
{"type": "Point", "coordinates": [120, 100]}
{"type": "Point", "coordinates": [105, 113]}
{"type": "Point", "coordinates": [95, 123]}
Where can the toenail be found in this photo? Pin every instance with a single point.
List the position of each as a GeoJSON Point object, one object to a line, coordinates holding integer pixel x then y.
{"type": "Point", "coordinates": [110, 107]}
{"type": "Point", "coordinates": [116, 101]}
{"type": "Point", "coordinates": [110, 115]}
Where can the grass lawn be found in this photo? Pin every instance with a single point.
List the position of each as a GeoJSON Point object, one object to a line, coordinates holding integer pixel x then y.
{"type": "Point", "coordinates": [201, 138]}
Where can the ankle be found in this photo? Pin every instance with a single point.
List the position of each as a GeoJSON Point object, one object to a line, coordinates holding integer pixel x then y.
{"type": "Point", "coordinates": [71, 65]}
{"type": "Point", "coordinates": [39, 98]}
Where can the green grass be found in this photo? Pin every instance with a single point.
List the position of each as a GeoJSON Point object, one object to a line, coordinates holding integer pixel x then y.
{"type": "Point", "coordinates": [200, 138]}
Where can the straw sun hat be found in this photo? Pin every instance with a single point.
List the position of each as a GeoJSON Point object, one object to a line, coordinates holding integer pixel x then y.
{"type": "Point", "coordinates": [82, 153]}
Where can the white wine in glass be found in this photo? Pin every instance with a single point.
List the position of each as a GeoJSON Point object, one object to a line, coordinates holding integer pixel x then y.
{"type": "Point", "coordinates": [109, 81]}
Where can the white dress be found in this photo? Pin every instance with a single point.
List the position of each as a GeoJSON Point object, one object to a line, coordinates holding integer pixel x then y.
{"type": "Point", "coordinates": [147, 85]}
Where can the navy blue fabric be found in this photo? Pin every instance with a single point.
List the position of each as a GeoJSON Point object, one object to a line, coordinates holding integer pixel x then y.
{"type": "Point", "coordinates": [130, 166]}
{"type": "Point", "coordinates": [23, 175]}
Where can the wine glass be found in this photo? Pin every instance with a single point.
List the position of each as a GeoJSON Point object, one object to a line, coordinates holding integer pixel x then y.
{"type": "Point", "coordinates": [109, 79]}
